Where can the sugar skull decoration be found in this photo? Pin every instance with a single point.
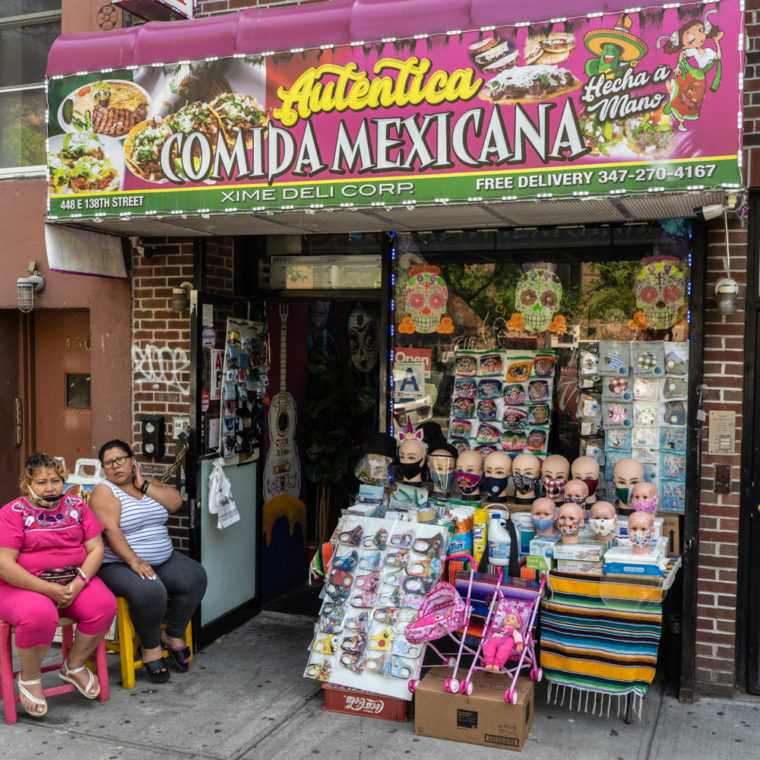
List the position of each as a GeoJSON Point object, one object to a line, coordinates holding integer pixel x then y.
{"type": "Point", "coordinates": [660, 288]}
{"type": "Point", "coordinates": [537, 297]}
{"type": "Point", "coordinates": [362, 338]}
{"type": "Point", "coordinates": [426, 297]}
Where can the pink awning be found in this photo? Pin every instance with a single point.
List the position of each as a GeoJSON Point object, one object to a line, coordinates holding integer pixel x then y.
{"type": "Point", "coordinates": [259, 30]}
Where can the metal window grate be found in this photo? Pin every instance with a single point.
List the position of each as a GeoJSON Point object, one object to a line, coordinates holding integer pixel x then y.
{"type": "Point", "coordinates": [78, 391]}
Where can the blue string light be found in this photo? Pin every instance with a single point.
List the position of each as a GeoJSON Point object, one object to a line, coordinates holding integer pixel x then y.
{"type": "Point", "coordinates": [391, 329]}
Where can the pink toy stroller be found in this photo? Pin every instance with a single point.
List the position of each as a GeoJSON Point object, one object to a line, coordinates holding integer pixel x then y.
{"type": "Point", "coordinates": [522, 599]}
{"type": "Point", "coordinates": [442, 614]}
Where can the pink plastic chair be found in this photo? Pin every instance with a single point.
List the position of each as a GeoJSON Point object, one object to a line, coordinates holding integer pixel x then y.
{"type": "Point", "coordinates": [8, 674]}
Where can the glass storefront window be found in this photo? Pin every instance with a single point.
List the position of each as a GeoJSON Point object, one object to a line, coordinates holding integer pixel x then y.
{"type": "Point", "coordinates": [562, 341]}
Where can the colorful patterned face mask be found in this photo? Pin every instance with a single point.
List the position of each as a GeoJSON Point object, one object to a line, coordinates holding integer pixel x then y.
{"type": "Point", "coordinates": [602, 526]}
{"type": "Point", "coordinates": [569, 526]}
{"type": "Point", "coordinates": [642, 538]}
{"type": "Point", "coordinates": [467, 482]}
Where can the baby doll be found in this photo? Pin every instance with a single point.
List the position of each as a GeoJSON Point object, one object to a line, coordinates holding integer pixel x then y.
{"type": "Point", "coordinates": [577, 492]}
{"type": "Point", "coordinates": [603, 520]}
{"type": "Point", "coordinates": [544, 513]}
{"type": "Point", "coordinates": [502, 640]}
{"type": "Point", "coordinates": [641, 532]}
{"type": "Point", "coordinates": [570, 520]}
{"type": "Point", "coordinates": [644, 497]}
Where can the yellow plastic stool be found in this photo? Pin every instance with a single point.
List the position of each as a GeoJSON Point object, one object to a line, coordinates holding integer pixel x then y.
{"type": "Point", "coordinates": [129, 641]}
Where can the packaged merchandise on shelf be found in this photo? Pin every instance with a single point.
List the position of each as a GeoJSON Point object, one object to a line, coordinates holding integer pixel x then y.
{"type": "Point", "coordinates": [580, 567]}
{"type": "Point", "coordinates": [502, 400]}
{"type": "Point", "coordinates": [590, 552]}
{"type": "Point", "coordinates": [539, 562]}
{"type": "Point", "coordinates": [543, 546]}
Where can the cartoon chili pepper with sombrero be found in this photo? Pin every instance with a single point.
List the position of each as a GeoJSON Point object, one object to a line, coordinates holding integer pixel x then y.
{"type": "Point", "coordinates": [616, 49]}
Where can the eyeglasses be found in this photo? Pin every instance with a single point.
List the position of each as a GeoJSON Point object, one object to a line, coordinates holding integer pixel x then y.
{"type": "Point", "coordinates": [116, 461]}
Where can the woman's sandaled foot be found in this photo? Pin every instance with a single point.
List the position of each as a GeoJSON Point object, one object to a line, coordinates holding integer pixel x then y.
{"type": "Point", "coordinates": [179, 653]}
{"type": "Point", "coordinates": [157, 671]}
{"type": "Point", "coordinates": [31, 697]}
{"type": "Point", "coordinates": [83, 679]}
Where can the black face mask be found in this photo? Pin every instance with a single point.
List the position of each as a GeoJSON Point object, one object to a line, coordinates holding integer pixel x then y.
{"type": "Point", "coordinates": [524, 483]}
{"type": "Point", "coordinates": [411, 469]}
{"type": "Point", "coordinates": [494, 486]}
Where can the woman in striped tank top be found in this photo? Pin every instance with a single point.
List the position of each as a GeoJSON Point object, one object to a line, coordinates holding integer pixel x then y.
{"type": "Point", "coordinates": [140, 562]}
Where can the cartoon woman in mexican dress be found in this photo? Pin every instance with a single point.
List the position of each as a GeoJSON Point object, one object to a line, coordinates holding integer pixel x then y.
{"type": "Point", "coordinates": [695, 62]}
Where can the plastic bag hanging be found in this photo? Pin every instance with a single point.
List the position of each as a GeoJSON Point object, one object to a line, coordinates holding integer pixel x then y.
{"type": "Point", "coordinates": [221, 502]}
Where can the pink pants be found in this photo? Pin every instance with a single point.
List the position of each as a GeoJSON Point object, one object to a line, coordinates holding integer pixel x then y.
{"type": "Point", "coordinates": [35, 616]}
{"type": "Point", "coordinates": [497, 649]}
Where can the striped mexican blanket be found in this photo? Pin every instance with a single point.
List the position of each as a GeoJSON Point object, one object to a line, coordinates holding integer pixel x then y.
{"type": "Point", "coordinates": [600, 635]}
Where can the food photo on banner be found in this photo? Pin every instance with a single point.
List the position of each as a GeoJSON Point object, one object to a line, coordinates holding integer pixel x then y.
{"type": "Point", "coordinates": [618, 102]}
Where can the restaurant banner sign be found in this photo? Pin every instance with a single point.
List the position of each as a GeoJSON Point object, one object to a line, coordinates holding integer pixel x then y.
{"type": "Point", "coordinates": [632, 103]}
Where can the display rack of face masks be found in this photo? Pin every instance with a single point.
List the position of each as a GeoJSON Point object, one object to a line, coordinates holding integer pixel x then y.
{"type": "Point", "coordinates": [377, 578]}
{"type": "Point", "coordinates": [502, 401]}
{"type": "Point", "coordinates": [635, 393]}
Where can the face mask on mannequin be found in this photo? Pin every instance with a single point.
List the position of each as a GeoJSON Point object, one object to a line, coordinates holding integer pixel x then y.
{"type": "Point", "coordinates": [411, 469]}
{"type": "Point", "coordinates": [623, 494]}
{"type": "Point", "coordinates": [467, 482]}
{"type": "Point", "coordinates": [642, 538]}
{"type": "Point", "coordinates": [524, 483]}
{"type": "Point", "coordinates": [592, 484]}
{"type": "Point", "coordinates": [579, 500]}
{"type": "Point", "coordinates": [494, 486]}
{"type": "Point", "coordinates": [543, 523]}
{"type": "Point", "coordinates": [554, 486]}
{"type": "Point", "coordinates": [602, 526]}
{"type": "Point", "coordinates": [442, 481]}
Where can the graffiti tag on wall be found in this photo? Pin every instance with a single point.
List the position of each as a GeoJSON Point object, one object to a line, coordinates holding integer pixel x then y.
{"type": "Point", "coordinates": [161, 365]}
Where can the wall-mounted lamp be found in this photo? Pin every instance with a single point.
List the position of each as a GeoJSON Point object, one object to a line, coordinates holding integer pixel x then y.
{"type": "Point", "coordinates": [726, 291]}
{"type": "Point", "coordinates": [28, 286]}
{"type": "Point", "coordinates": [181, 296]}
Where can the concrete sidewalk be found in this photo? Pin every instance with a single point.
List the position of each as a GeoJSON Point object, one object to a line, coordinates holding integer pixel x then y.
{"type": "Point", "coordinates": [244, 698]}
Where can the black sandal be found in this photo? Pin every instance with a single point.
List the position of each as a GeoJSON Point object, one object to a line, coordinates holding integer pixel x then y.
{"type": "Point", "coordinates": [157, 671]}
{"type": "Point", "coordinates": [180, 658]}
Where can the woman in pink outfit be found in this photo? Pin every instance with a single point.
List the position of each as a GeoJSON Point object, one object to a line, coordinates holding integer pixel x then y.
{"type": "Point", "coordinates": [50, 550]}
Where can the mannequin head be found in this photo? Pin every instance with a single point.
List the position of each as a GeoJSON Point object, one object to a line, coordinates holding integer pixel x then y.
{"type": "Point", "coordinates": [644, 497]}
{"type": "Point", "coordinates": [411, 457]}
{"type": "Point", "coordinates": [576, 491]}
{"type": "Point", "coordinates": [641, 532]}
{"type": "Point", "coordinates": [626, 474]}
{"type": "Point", "coordinates": [442, 460]}
{"type": "Point", "coordinates": [570, 520]}
{"type": "Point", "coordinates": [526, 468]}
{"type": "Point", "coordinates": [543, 511]}
{"type": "Point", "coordinates": [603, 520]}
{"type": "Point", "coordinates": [469, 469]}
{"type": "Point", "coordinates": [586, 469]}
{"type": "Point", "coordinates": [554, 472]}
{"type": "Point", "coordinates": [496, 469]}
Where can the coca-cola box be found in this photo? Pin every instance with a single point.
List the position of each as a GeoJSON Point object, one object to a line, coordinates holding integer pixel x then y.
{"type": "Point", "coordinates": [355, 702]}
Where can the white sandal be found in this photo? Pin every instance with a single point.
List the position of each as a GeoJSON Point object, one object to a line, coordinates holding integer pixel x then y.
{"type": "Point", "coordinates": [65, 674]}
{"type": "Point", "coordinates": [28, 695]}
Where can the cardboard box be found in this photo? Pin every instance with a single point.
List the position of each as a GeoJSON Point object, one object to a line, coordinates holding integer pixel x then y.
{"type": "Point", "coordinates": [483, 718]}
{"type": "Point", "coordinates": [355, 702]}
{"type": "Point", "coordinates": [585, 552]}
{"type": "Point", "coordinates": [579, 566]}
{"type": "Point", "coordinates": [671, 529]}
{"type": "Point", "coordinates": [542, 546]}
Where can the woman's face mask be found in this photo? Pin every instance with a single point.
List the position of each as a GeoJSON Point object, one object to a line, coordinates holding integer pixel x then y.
{"type": "Point", "coordinates": [40, 501]}
{"type": "Point", "coordinates": [372, 469]}
{"type": "Point", "coordinates": [602, 526]}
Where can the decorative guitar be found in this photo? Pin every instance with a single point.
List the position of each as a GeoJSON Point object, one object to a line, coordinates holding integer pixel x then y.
{"type": "Point", "coordinates": [282, 470]}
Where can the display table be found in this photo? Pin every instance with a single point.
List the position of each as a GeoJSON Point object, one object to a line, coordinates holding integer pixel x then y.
{"type": "Point", "coordinates": [600, 636]}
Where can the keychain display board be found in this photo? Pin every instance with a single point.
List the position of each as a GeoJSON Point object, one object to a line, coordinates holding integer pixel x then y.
{"type": "Point", "coordinates": [244, 379]}
{"type": "Point", "coordinates": [380, 571]}
{"type": "Point", "coordinates": [636, 394]}
{"type": "Point", "coordinates": [502, 401]}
